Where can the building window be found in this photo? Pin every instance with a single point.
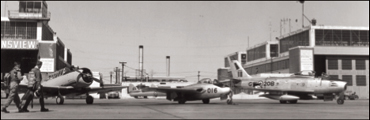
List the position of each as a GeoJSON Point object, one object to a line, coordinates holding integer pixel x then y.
{"type": "Point", "coordinates": [227, 62]}
{"type": "Point", "coordinates": [361, 80]}
{"type": "Point", "coordinates": [348, 79]}
{"type": "Point", "coordinates": [300, 39]}
{"type": "Point", "coordinates": [18, 30]}
{"type": "Point", "coordinates": [333, 64]}
{"type": "Point", "coordinates": [268, 67]}
{"type": "Point", "coordinates": [256, 53]}
{"type": "Point", "coordinates": [329, 37]}
{"type": "Point", "coordinates": [334, 77]}
{"type": "Point", "coordinates": [47, 34]}
{"type": "Point", "coordinates": [346, 64]}
{"type": "Point", "coordinates": [2, 29]}
{"type": "Point", "coordinates": [274, 50]}
{"type": "Point", "coordinates": [31, 30]}
{"type": "Point", "coordinates": [360, 65]}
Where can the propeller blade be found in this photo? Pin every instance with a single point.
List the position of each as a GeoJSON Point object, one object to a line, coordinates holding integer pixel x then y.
{"type": "Point", "coordinates": [99, 81]}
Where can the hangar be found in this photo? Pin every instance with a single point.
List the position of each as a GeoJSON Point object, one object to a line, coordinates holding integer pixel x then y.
{"type": "Point", "coordinates": [342, 52]}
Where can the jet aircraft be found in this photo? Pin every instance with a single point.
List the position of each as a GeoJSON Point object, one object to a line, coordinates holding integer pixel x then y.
{"type": "Point", "coordinates": [144, 92]}
{"type": "Point", "coordinates": [73, 83]}
{"type": "Point", "coordinates": [203, 90]}
{"type": "Point", "coordinates": [287, 89]}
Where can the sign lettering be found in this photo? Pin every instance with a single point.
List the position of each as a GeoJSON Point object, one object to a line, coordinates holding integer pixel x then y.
{"type": "Point", "coordinates": [19, 44]}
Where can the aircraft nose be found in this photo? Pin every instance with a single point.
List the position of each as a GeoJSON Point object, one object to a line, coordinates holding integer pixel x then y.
{"type": "Point", "coordinates": [227, 90]}
{"type": "Point", "coordinates": [341, 84]}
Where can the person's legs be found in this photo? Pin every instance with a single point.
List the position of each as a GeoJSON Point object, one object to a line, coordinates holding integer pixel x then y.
{"type": "Point", "coordinates": [17, 101]}
{"type": "Point", "coordinates": [10, 99]}
{"type": "Point", "coordinates": [42, 103]}
{"type": "Point", "coordinates": [28, 100]}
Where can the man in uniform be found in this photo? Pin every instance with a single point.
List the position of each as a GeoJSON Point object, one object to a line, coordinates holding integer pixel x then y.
{"type": "Point", "coordinates": [38, 76]}
{"type": "Point", "coordinates": [15, 79]}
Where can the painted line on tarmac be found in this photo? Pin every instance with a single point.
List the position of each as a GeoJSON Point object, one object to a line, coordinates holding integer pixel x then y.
{"type": "Point", "coordinates": [163, 112]}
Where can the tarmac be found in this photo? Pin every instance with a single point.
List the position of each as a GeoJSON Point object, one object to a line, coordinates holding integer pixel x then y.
{"type": "Point", "coordinates": [217, 109]}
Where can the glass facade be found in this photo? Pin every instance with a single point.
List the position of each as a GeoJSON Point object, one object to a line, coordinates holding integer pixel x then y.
{"type": "Point", "coordinates": [361, 80]}
{"type": "Point", "coordinates": [333, 64]}
{"type": "Point", "coordinates": [346, 64]}
{"type": "Point", "coordinates": [256, 53]}
{"type": "Point", "coordinates": [266, 68]}
{"type": "Point", "coordinates": [300, 39]}
{"type": "Point", "coordinates": [330, 37]}
{"type": "Point", "coordinates": [348, 79]}
{"type": "Point", "coordinates": [18, 30]}
{"type": "Point", "coordinates": [31, 6]}
{"type": "Point", "coordinates": [360, 64]}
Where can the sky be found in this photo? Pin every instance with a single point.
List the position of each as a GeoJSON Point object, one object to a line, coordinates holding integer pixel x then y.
{"type": "Point", "coordinates": [196, 34]}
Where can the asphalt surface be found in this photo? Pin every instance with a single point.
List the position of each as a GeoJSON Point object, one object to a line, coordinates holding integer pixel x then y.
{"type": "Point", "coordinates": [163, 109]}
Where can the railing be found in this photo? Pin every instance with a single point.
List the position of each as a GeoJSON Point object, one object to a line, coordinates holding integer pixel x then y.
{"type": "Point", "coordinates": [341, 43]}
{"type": "Point", "coordinates": [14, 14]}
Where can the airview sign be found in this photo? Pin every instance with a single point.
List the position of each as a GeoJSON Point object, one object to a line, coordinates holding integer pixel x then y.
{"type": "Point", "coordinates": [19, 44]}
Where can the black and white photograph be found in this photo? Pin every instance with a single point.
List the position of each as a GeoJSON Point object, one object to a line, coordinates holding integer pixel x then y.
{"type": "Point", "coordinates": [185, 59]}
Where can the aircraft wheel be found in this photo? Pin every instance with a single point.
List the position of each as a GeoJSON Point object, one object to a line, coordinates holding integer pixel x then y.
{"type": "Point", "coordinates": [145, 97]}
{"type": "Point", "coordinates": [283, 102]}
{"type": "Point", "coordinates": [89, 100]}
{"type": "Point", "coordinates": [229, 102]}
{"type": "Point", "coordinates": [59, 100]}
{"type": "Point", "coordinates": [293, 101]}
{"type": "Point", "coordinates": [182, 101]}
{"type": "Point", "coordinates": [340, 101]}
{"type": "Point", "coordinates": [136, 97]}
{"type": "Point", "coordinates": [205, 101]}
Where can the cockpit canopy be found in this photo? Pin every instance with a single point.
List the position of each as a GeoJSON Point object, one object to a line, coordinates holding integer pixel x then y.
{"type": "Point", "coordinates": [305, 73]}
{"type": "Point", "coordinates": [205, 81]}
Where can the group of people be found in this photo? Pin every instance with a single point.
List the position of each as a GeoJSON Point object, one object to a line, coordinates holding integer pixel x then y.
{"type": "Point", "coordinates": [15, 79]}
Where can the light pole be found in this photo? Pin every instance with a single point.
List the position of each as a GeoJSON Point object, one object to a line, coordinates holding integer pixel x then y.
{"type": "Point", "coordinates": [111, 76]}
{"type": "Point", "coordinates": [302, 2]}
{"type": "Point", "coordinates": [123, 66]}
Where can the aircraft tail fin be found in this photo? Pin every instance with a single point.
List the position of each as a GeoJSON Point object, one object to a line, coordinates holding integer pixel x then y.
{"type": "Point", "coordinates": [237, 70]}
{"type": "Point", "coordinates": [131, 88]}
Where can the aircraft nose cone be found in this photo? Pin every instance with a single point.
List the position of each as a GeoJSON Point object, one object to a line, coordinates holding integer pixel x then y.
{"type": "Point", "coordinates": [228, 89]}
{"type": "Point", "coordinates": [341, 84]}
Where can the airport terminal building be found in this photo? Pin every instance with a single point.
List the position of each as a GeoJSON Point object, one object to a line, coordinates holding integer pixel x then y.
{"type": "Point", "coordinates": [26, 37]}
{"type": "Point", "coordinates": [341, 52]}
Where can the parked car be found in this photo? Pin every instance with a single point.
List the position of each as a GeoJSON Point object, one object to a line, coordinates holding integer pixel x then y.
{"type": "Point", "coordinates": [113, 94]}
{"type": "Point", "coordinates": [351, 96]}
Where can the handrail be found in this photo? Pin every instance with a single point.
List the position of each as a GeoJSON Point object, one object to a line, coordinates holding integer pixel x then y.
{"type": "Point", "coordinates": [28, 15]}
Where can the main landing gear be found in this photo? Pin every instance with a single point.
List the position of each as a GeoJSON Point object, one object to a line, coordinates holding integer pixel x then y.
{"type": "Point", "coordinates": [205, 101]}
{"type": "Point", "coordinates": [59, 100]}
{"type": "Point", "coordinates": [340, 100]}
{"type": "Point", "coordinates": [182, 101]}
{"type": "Point", "coordinates": [89, 100]}
{"type": "Point", "coordinates": [290, 101]}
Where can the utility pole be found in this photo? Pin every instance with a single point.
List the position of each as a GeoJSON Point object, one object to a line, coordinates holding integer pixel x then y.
{"type": "Point", "coordinates": [271, 64]}
{"type": "Point", "coordinates": [289, 26]}
{"type": "Point", "coordinates": [117, 75]}
{"type": "Point", "coordinates": [302, 2]}
{"type": "Point", "coordinates": [280, 26]}
{"type": "Point", "coordinates": [111, 76]}
{"type": "Point", "coordinates": [123, 66]}
{"type": "Point", "coordinates": [141, 61]}
{"type": "Point", "coordinates": [198, 75]}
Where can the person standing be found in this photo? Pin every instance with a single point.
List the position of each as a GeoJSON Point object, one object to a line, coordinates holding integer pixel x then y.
{"type": "Point", "coordinates": [38, 78]}
{"type": "Point", "coordinates": [15, 79]}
